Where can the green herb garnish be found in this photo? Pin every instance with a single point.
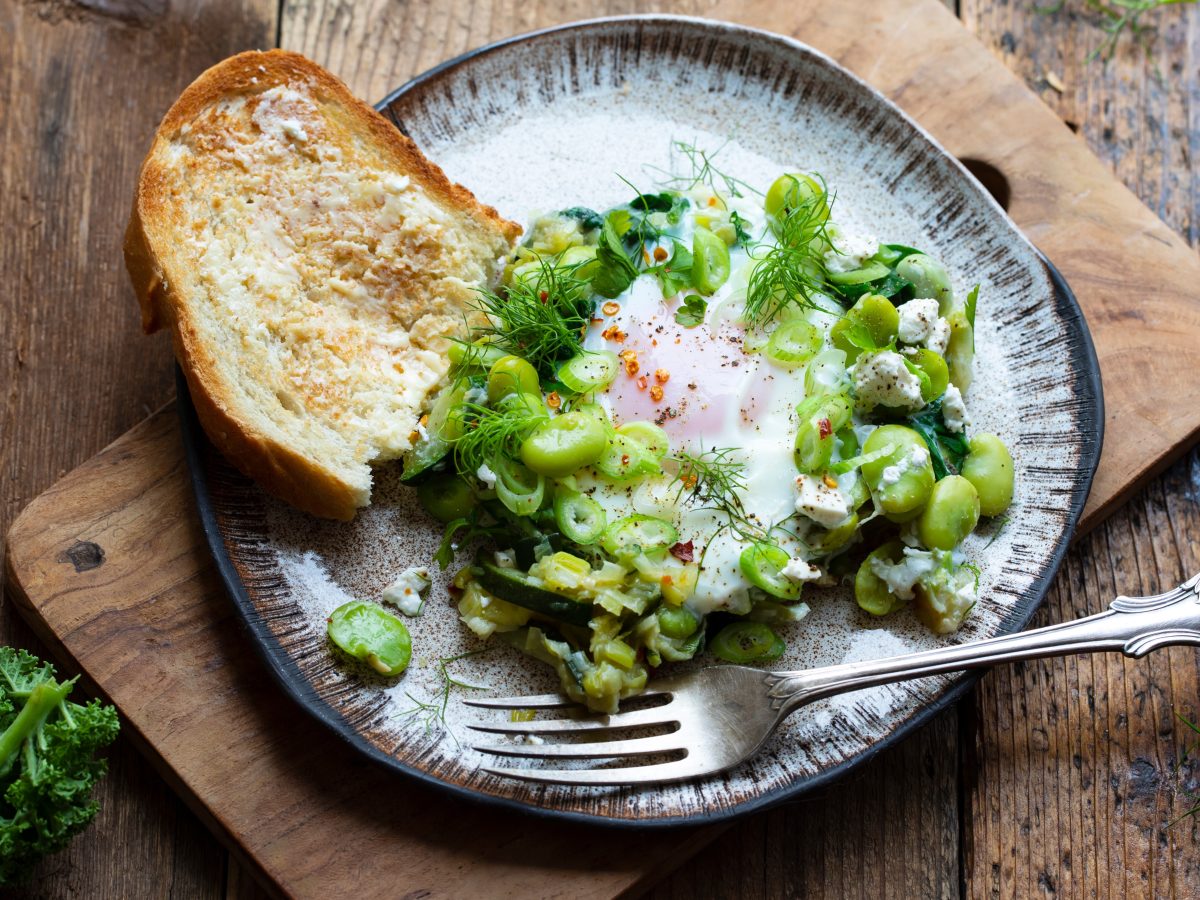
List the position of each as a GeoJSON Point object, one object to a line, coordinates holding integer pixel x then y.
{"type": "Point", "coordinates": [433, 711]}
{"type": "Point", "coordinates": [542, 318]}
{"type": "Point", "coordinates": [792, 271]}
{"type": "Point", "coordinates": [714, 480]}
{"type": "Point", "coordinates": [947, 449]}
{"type": "Point", "coordinates": [691, 311]}
{"type": "Point", "coordinates": [675, 274]}
{"type": "Point", "coordinates": [617, 271]}
{"type": "Point", "coordinates": [741, 235]}
{"type": "Point", "coordinates": [489, 435]}
{"type": "Point", "coordinates": [704, 172]}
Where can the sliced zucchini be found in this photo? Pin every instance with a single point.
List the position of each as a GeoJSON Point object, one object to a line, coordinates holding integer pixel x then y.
{"type": "Point", "coordinates": [519, 589]}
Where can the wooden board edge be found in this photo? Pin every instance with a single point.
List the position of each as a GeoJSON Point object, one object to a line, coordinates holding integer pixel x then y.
{"type": "Point", "coordinates": [1095, 516]}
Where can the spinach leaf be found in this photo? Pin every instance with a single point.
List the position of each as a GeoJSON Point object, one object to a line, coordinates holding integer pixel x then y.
{"type": "Point", "coordinates": [642, 230]}
{"type": "Point", "coordinates": [947, 449]}
{"type": "Point", "coordinates": [891, 285]}
{"type": "Point", "coordinates": [588, 218]}
{"type": "Point", "coordinates": [616, 270]}
{"type": "Point", "coordinates": [902, 251]}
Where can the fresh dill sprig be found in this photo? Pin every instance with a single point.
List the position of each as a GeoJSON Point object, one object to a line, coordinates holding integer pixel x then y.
{"type": "Point", "coordinates": [793, 270]}
{"type": "Point", "coordinates": [714, 479]}
{"type": "Point", "coordinates": [542, 318]}
{"type": "Point", "coordinates": [433, 711]}
{"type": "Point", "coordinates": [704, 172]}
{"type": "Point", "coordinates": [489, 435]}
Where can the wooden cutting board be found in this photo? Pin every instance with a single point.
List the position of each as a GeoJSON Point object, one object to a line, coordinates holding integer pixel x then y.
{"type": "Point", "coordinates": [111, 569]}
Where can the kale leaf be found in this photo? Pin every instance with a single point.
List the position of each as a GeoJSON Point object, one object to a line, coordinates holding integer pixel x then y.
{"type": "Point", "coordinates": [47, 762]}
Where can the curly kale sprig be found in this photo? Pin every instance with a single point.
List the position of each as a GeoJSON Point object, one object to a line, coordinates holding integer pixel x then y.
{"type": "Point", "coordinates": [47, 762]}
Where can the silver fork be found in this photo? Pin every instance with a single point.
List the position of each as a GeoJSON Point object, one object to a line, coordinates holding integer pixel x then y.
{"type": "Point", "coordinates": [722, 715]}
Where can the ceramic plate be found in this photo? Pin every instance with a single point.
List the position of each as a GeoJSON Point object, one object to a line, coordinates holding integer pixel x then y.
{"type": "Point", "coordinates": [549, 120]}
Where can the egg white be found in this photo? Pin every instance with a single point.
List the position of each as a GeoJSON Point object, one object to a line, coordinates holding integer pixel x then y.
{"type": "Point", "coordinates": [717, 394]}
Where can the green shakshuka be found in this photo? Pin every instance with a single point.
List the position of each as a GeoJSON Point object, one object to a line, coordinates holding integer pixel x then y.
{"type": "Point", "coordinates": [676, 420]}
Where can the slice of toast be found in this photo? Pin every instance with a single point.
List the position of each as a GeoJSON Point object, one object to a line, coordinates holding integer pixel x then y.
{"type": "Point", "coordinates": [309, 263]}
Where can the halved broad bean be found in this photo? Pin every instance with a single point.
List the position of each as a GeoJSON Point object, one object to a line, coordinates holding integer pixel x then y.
{"type": "Point", "coordinates": [792, 191]}
{"type": "Point", "coordinates": [935, 367]}
{"type": "Point", "coordinates": [902, 498]}
{"type": "Point", "coordinates": [870, 591]}
{"type": "Point", "coordinates": [929, 279]}
{"type": "Point", "coordinates": [950, 515]}
{"type": "Point", "coordinates": [511, 375]}
{"type": "Point", "coordinates": [877, 314]}
{"type": "Point", "coordinates": [564, 444]}
{"type": "Point", "coordinates": [370, 633]}
{"type": "Point", "coordinates": [989, 467]}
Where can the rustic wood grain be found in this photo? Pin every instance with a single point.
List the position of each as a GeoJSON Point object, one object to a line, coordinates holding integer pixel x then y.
{"type": "Point", "coordinates": [1079, 761]}
{"type": "Point", "coordinates": [82, 85]}
{"type": "Point", "coordinates": [1079, 840]}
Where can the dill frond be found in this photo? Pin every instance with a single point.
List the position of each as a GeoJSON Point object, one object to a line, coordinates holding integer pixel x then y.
{"type": "Point", "coordinates": [702, 171]}
{"type": "Point", "coordinates": [541, 319]}
{"type": "Point", "coordinates": [489, 434]}
{"type": "Point", "coordinates": [433, 710]}
{"type": "Point", "coordinates": [793, 270]}
{"type": "Point", "coordinates": [714, 479]}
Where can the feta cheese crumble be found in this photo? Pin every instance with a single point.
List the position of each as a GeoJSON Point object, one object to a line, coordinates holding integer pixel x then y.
{"type": "Point", "coordinates": [883, 379]}
{"type": "Point", "coordinates": [850, 252]}
{"type": "Point", "coordinates": [917, 318]}
{"type": "Point", "coordinates": [798, 569]}
{"type": "Point", "coordinates": [902, 577]}
{"type": "Point", "coordinates": [406, 593]}
{"type": "Point", "coordinates": [826, 506]}
{"type": "Point", "coordinates": [954, 410]}
{"type": "Point", "coordinates": [485, 474]}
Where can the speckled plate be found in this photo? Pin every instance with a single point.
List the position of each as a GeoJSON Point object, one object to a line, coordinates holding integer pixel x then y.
{"type": "Point", "coordinates": [546, 121]}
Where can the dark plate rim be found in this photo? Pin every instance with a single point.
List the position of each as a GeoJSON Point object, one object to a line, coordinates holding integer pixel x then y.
{"type": "Point", "coordinates": [1084, 363]}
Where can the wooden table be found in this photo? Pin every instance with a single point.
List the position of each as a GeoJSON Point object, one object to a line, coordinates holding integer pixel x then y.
{"type": "Point", "coordinates": [1057, 778]}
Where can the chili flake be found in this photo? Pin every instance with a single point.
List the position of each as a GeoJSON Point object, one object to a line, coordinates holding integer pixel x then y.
{"type": "Point", "coordinates": [632, 366]}
{"type": "Point", "coordinates": [824, 428]}
{"type": "Point", "coordinates": [684, 552]}
{"type": "Point", "coordinates": [641, 382]}
{"type": "Point", "coordinates": [553, 400]}
{"type": "Point", "coordinates": [660, 253]}
{"type": "Point", "coordinates": [611, 308]}
{"type": "Point", "coordinates": [613, 333]}
{"type": "Point", "coordinates": [662, 376]}
{"type": "Point", "coordinates": [830, 481]}
{"type": "Point", "coordinates": [656, 392]}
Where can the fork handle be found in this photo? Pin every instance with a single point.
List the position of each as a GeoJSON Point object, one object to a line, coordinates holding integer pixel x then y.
{"type": "Point", "coordinates": [1133, 625]}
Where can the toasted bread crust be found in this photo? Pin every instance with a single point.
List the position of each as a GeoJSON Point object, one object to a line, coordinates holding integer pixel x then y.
{"type": "Point", "coordinates": [280, 469]}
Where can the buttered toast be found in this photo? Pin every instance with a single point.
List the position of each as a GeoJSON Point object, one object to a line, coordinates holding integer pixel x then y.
{"type": "Point", "coordinates": [310, 264]}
